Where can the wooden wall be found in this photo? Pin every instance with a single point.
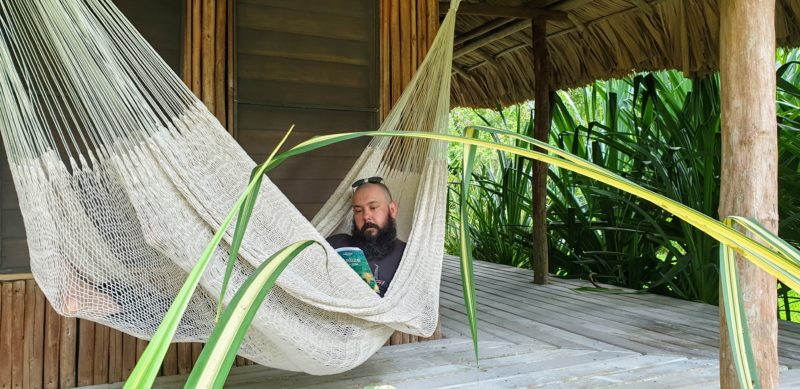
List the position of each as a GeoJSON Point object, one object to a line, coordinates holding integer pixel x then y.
{"type": "Point", "coordinates": [407, 29]}
{"type": "Point", "coordinates": [41, 349]}
{"type": "Point", "coordinates": [313, 64]}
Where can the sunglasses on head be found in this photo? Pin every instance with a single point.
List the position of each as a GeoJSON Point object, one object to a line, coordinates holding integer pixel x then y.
{"type": "Point", "coordinates": [371, 180]}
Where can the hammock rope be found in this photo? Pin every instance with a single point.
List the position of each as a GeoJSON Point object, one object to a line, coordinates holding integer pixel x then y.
{"type": "Point", "coordinates": [123, 176]}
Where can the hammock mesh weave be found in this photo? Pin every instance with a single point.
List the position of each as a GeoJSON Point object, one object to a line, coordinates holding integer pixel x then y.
{"type": "Point", "coordinates": [123, 177]}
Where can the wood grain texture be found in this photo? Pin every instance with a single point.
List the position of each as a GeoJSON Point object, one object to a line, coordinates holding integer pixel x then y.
{"type": "Point", "coordinates": [6, 332]}
{"type": "Point", "coordinates": [101, 358]}
{"type": "Point", "coordinates": [52, 348]}
{"type": "Point", "coordinates": [67, 364]}
{"type": "Point", "coordinates": [749, 184]}
{"type": "Point", "coordinates": [17, 350]}
{"type": "Point", "coordinates": [115, 355]}
{"type": "Point", "coordinates": [86, 345]}
{"type": "Point", "coordinates": [542, 122]}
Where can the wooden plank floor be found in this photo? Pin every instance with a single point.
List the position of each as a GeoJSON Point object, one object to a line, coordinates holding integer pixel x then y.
{"type": "Point", "coordinates": [544, 336]}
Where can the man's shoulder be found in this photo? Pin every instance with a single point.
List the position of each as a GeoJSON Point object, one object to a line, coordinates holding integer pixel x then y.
{"type": "Point", "coordinates": [340, 240]}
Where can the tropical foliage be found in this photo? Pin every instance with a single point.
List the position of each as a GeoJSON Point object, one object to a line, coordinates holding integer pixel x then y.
{"type": "Point", "coordinates": [628, 147]}
{"type": "Point", "coordinates": [659, 130]}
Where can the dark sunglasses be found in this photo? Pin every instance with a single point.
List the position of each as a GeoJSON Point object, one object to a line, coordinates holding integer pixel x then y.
{"type": "Point", "coordinates": [371, 180]}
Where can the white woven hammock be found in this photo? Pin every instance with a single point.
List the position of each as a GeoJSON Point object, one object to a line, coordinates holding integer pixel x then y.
{"type": "Point", "coordinates": [123, 176]}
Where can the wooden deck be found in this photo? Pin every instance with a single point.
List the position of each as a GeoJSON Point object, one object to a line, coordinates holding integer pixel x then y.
{"type": "Point", "coordinates": [544, 336]}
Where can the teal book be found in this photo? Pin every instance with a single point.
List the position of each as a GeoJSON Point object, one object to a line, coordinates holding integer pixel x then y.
{"type": "Point", "coordinates": [355, 257]}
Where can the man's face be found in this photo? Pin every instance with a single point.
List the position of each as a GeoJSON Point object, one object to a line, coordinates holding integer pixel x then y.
{"type": "Point", "coordinates": [372, 209]}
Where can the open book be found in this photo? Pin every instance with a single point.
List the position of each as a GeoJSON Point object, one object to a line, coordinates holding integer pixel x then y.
{"type": "Point", "coordinates": [355, 257]}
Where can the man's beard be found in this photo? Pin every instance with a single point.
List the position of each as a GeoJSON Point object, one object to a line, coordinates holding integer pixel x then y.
{"type": "Point", "coordinates": [378, 246]}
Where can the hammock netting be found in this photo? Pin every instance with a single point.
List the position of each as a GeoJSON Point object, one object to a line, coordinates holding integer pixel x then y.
{"type": "Point", "coordinates": [123, 176]}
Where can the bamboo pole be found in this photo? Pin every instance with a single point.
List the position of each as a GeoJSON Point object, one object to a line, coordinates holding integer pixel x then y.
{"type": "Point", "coordinates": [492, 37]}
{"type": "Point", "coordinates": [187, 44]}
{"type": "Point", "coordinates": [508, 11]}
{"type": "Point", "coordinates": [196, 19]}
{"type": "Point", "coordinates": [433, 20]}
{"type": "Point", "coordinates": [220, 59]}
{"type": "Point", "coordinates": [230, 69]}
{"type": "Point", "coordinates": [480, 30]}
{"type": "Point", "coordinates": [542, 70]}
{"type": "Point", "coordinates": [414, 49]}
{"type": "Point", "coordinates": [405, 43]}
{"type": "Point", "coordinates": [395, 67]}
{"type": "Point", "coordinates": [207, 65]}
{"type": "Point", "coordinates": [385, 61]}
{"type": "Point", "coordinates": [749, 182]}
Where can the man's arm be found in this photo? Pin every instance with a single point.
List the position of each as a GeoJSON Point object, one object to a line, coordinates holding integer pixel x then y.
{"type": "Point", "coordinates": [340, 240]}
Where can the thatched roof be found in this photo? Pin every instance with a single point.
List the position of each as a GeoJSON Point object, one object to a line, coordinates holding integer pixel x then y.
{"type": "Point", "coordinates": [589, 40]}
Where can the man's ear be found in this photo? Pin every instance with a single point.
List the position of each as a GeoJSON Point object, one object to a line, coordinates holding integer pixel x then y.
{"type": "Point", "coordinates": [393, 209]}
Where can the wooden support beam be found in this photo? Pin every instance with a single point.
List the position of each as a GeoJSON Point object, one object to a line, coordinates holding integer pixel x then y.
{"type": "Point", "coordinates": [475, 66]}
{"type": "Point", "coordinates": [461, 72]}
{"type": "Point", "coordinates": [487, 39]}
{"type": "Point", "coordinates": [541, 128]}
{"type": "Point", "coordinates": [600, 19]}
{"type": "Point", "coordinates": [493, 59]}
{"type": "Point", "coordinates": [512, 49]}
{"type": "Point", "coordinates": [684, 41]}
{"type": "Point", "coordinates": [749, 175]}
{"type": "Point", "coordinates": [569, 5]}
{"type": "Point", "coordinates": [643, 5]}
{"type": "Point", "coordinates": [480, 30]}
{"type": "Point", "coordinates": [486, 56]}
{"type": "Point", "coordinates": [505, 11]}
{"type": "Point", "coordinates": [574, 19]}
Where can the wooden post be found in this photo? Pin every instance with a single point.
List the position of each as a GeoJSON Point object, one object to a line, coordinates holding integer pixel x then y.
{"type": "Point", "coordinates": [52, 345]}
{"type": "Point", "coordinates": [35, 310]}
{"type": "Point", "coordinates": [86, 345]}
{"type": "Point", "coordinates": [749, 166]}
{"type": "Point", "coordinates": [6, 333]}
{"type": "Point", "coordinates": [67, 361]}
{"type": "Point", "coordinates": [542, 119]}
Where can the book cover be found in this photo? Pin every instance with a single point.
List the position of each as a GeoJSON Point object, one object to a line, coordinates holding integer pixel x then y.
{"type": "Point", "coordinates": [355, 257]}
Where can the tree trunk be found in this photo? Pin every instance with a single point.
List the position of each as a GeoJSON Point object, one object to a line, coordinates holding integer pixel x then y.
{"type": "Point", "coordinates": [541, 130]}
{"type": "Point", "coordinates": [749, 166]}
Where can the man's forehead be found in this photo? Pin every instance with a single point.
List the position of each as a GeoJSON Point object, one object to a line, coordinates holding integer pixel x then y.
{"type": "Point", "coordinates": [368, 193]}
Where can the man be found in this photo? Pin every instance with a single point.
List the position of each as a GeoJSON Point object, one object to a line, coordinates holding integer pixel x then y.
{"type": "Point", "coordinates": [374, 230]}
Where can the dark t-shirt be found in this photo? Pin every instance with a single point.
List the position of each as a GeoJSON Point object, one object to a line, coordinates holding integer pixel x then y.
{"type": "Point", "coordinates": [383, 269]}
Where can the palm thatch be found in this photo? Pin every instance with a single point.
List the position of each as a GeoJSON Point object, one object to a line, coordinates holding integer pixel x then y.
{"type": "Point", "coordinates": [590, 40]}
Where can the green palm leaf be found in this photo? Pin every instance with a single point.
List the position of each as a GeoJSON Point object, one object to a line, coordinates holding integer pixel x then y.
{"type": "Point", "coordinates": [216, 360]}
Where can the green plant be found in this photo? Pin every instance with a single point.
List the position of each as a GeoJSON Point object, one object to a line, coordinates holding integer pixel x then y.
{"type": "Point", "coordinates": [659, 130]}
{"type": "Point", "coordinates": [785, 265]}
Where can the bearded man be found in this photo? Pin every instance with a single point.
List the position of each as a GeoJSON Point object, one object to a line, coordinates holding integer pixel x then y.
{"type": "Point", "coordinates": [374, 230]}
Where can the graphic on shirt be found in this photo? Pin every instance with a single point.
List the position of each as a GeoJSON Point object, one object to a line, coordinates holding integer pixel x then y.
{"type": "Point", "coordinates": [378, 279]}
